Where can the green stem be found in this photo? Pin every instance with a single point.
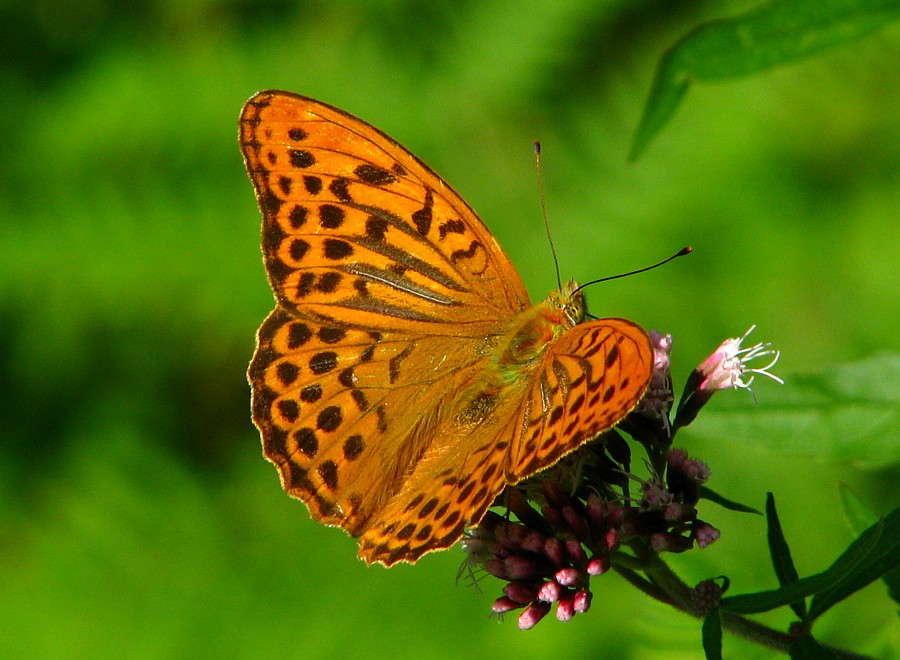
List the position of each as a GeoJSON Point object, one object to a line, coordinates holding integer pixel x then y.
{"type": "Point", "coordinates": [665, 586]}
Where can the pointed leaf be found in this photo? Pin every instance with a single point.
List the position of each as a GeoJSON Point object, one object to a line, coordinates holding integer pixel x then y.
{"type": "Point", "coordinates": [772, 34]}
{"type": "Point", "coordinates": [731, 505]}
{"type": "Point", "coordinates": [861, 516]}
{"type": "Point", "coordinates": [892, 580]}
{"type": "Point", "coordinates": [875, 552]}
{"type": "Point", "coordinates": [712, 635]}
{"type": "Point", "coordinates": [882, 560]}
{"type": "Point", "coordinates": [782, 561]}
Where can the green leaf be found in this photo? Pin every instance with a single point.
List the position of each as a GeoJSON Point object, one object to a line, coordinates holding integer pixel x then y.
{"type": "Point", "coordinates": [782, 561]}
{"type": "Point", "coordinates": [774, 33]}
{"type": "Point", "coordinates": [712, 635]}
{"type": "Point", "coordinates": [881, 562]}
{"type": "Point", "coordinates": [731, 505]}
{"type": "Point", "coordinates": [847, 413]}
{"type": "Point", "coordinates": [874, 553]}
{"type": "Point", "coordinates": [892, 580]}
{"type": "Point", "coordinates": [861, 516]}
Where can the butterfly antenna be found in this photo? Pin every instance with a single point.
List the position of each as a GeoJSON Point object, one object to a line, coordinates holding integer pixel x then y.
{"type": "Point", "coordinates": [683, 251]}
{"type": "Point", "coordinates": [537, 164]}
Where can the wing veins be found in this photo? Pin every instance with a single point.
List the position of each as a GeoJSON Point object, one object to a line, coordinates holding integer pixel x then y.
{"type": "Point", "coordinates": [398, 282]}
{"type": "Point", "coordinates": [404, 256]}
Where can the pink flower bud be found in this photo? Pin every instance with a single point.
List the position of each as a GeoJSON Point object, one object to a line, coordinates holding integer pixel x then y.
{"type": "Point", "coordinates": [534, 613]}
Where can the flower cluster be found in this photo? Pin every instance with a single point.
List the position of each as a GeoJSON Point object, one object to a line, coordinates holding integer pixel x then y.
{"type": "Point", "coordinates": [578, 519]}
{"type": "Point", "coordinates": [550, 556]}
{"type": "Point", "coordinates": [542, 556]}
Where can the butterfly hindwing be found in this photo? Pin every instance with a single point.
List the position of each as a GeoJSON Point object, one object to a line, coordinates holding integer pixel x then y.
{"type": "Point", "coordinates": [587, 381]}
{"type": "Point", "coordinates": [344, 416]}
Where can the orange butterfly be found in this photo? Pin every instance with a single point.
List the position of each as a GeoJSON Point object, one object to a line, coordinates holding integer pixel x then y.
{"type": "Point", "coordinates": [404, 378]}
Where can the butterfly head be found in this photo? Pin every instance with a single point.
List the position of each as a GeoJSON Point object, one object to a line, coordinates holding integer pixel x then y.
{"type": "Point", "coordinates": [569, 300]}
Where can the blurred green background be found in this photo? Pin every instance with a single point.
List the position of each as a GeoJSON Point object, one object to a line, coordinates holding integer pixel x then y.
{"type": "Point", "coordinates": [137, 515]}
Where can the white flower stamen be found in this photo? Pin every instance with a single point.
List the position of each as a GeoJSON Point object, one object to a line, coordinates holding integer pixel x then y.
{"type": "Point", "coordinates": [727, 366]}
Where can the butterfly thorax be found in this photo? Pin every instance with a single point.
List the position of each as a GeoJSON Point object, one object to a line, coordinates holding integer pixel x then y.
{"type": "Point", "coordinates": [529, 334]}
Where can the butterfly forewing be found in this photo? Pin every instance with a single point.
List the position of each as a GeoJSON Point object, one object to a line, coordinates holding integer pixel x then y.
{"type": "Point", "coordinates": [358, 231]}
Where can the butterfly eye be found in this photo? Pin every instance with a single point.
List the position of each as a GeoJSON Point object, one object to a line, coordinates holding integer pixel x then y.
{"type": "Point", "coordinates": [575, 309]}
{"type": "Point", "coordinates": [570, 300]}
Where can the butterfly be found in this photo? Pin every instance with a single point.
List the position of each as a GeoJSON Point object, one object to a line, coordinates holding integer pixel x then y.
{"type": "Point", "coordinates": [404, 378]}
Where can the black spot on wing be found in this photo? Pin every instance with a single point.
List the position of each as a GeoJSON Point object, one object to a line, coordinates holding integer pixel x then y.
{"type": "Point", "coordinates": [328, 281]}
{"type": "Point", "coordinates": [297, 217]}
{"type": "Point", "coordinates": [374, 175]}
{"type": "Point", "coordinates": [301, 158]}
{"type": "Point", "coordinates": [331, 335]}
{"type": "Point", "coordinates": [287, 373]}
{"type": "Point", "coordinates": [612, 356]}
{"type": "Point", "coordinates": [289, 410]}
{"type": "Point", "coordinates": [340, 188]}
{"type": "Point", "coordinates": [298, 249]}
{"type": "Point", "coordinates": [458, 255]}
{"type": "Point", "coordinates": [313, 184]}
{"type": "Point", "coordinates": [353, 447]}
{"type": "Point", "coordinates": [322, 363]}
{"type": "Point", "coordinates": [451, 227]}
{"type": "Point", "coordinates": [330, 216]}
{"type": "Point", "coordinates": [329, 419]}
{"type": "Point", "coordinates": [307, 442]}
{"type": "Point", "coordinates": [422, 217]}
{"type": "Point", "coordinates": [336, 249]}
{"type": "Point", "coordinates": [311, 393]}
{"type": "Point", "coordinates": [329, 473]}
{"type": "Point", "coordinates": [298, 334]}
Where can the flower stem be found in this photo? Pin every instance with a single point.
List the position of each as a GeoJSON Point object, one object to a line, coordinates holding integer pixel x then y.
{"type": "Point", "coordinates": [665, 586]}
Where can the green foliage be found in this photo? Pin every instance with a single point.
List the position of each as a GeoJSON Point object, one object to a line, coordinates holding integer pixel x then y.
{"type": "Point", "coordinates": [137, 516]}
{"type": "Point", "coordinates": [860, 517]}
{"type": "Point", "coordinates": [873, 554]}
{"type": "Point", "coordinates": [847, 413]}
{"type": "Point", "coordinates": [775, 33]}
